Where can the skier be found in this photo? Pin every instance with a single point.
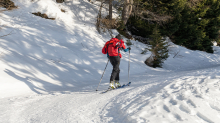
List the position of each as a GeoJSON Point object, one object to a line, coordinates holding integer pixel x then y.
{"type": "Point", "coordinates": [112, 49]}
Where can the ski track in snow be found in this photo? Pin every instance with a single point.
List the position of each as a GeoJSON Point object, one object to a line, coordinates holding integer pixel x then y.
{"type": "Point", "coordinates": [46, 78]}
{"type": "Point", "coordinates": [181, 98]}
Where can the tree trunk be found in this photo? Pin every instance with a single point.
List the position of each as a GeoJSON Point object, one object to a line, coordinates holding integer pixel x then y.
{"type": "Point", "coordinates": [126, 12]}
{"type": "Point", "coordinates": [110, 9]}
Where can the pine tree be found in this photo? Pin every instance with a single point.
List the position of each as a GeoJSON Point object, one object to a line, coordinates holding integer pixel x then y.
{"type": "Point", "coordinates": [196, 26]}
{"type": "Point", "coordinates": [159, 48]}
{"type": "Point", "coordinates": [191, 32]}
{"type": "Point", "coordinates": [195, 23]}
{"type": "Point", "coordinates": [213, 14]}
{"type": "Point", "coordinates": [144, 28]}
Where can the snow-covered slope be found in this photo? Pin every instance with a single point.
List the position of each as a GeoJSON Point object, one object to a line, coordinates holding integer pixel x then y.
{"type": "Point", "coordinates": [45, 55]}
{"type": "Point", "coordinates": [50, 69]}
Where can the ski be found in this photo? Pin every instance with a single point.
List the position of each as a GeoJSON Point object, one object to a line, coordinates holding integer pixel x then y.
{"type": "Point", "coordinates": [124, 85]}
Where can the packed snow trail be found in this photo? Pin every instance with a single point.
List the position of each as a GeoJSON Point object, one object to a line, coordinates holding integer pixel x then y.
{"type": "Point", "coordinates": [190, 96]}
{"type": "Point", "coordinates": [50, 69]}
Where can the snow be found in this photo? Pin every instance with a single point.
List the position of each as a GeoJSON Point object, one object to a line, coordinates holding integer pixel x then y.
{"type": "Point", "coordinates": [50, 69]}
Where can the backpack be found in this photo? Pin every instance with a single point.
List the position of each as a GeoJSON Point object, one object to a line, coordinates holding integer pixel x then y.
{"type": "Point", "coordinates": [112, 47]}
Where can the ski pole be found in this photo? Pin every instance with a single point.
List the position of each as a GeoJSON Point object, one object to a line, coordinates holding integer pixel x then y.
{"type": "Point", "coordinates": [129, 66]}
{"type": "Point", "coordinates": [102, 75]}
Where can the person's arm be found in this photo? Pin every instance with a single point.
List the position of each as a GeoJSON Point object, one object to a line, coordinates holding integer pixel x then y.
{"type": "Point", "coordinates": [124, 48]}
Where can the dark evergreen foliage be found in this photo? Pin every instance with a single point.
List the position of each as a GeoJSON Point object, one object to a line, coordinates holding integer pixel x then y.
{"type": "Point", "coordinates": [159, 48]}
{"type": "Point", "coordinates": [193, 25]}
{"type": "Point", "coordinates": [140, 27]}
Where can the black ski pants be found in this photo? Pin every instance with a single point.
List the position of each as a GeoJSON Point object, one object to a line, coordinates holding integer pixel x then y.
{"type": "Point", "coordinates": [115, 61]}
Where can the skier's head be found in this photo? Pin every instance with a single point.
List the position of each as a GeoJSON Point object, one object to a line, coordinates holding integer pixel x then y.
{"type": "Point", "coordinates": [118, 37]}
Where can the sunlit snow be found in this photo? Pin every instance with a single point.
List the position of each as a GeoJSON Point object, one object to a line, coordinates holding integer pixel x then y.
{"type": "Point", "coordinates": [50, 70]}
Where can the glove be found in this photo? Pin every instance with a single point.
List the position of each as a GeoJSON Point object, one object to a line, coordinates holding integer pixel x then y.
{"type": "Point", "coordinates": [129, 48]}
{"type": "Point", "coordinates": [126, 50]}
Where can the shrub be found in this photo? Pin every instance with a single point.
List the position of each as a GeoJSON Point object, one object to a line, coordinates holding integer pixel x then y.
{"type": "Point", "coordinates": [8, 4]}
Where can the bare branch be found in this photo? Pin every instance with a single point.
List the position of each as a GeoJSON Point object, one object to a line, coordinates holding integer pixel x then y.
{"type": "Point", "coordinates": [103, 23]}
{"type": "Point", "coordinates": [176, 53]}
{"type": "Point", "coordinates": [154, 17]}
{"type": "Point", "coordinates": [7, 34]}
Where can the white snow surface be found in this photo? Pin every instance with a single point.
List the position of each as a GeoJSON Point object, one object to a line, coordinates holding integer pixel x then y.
{"type": "Point", "coordinates": [50, 70]}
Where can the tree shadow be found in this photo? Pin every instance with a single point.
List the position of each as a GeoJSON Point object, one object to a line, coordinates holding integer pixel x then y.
{"type": "Point", "coordinates": [56, 56]}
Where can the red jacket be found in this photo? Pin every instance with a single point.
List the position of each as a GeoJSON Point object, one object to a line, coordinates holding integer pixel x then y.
{"type": "Point", "coordinates": [113, 46]}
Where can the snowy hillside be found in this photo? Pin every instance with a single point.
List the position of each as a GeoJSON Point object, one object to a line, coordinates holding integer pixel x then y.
{"type": "Point", "coordinates": [50, 69]}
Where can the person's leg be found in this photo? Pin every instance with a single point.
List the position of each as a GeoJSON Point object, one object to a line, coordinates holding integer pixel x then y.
{"type": "Point", "coordinates": [118, 72]}
{"type": "Point", "coordinates": [117, 76]}
{"type": "Point", "coordinates": [115, 61]}
{"type": "Point", "coordinates": [117, 84]}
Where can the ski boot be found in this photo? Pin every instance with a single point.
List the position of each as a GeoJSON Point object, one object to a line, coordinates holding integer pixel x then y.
{"type": "Point", "coordinates": [117, 84]}
{"type": "Point", "coordinates": [112, 85]}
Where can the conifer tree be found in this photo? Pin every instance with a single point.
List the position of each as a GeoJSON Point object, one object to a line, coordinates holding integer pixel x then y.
{"type": "Point", "coordinates": [194, 24]}
{"type": "Point", "coordinates": [159, 48]}
{"type": "Point", "coordinates": [197, 26]}
{"type": "Point", "coordinates": [191, 32]}
{"type": "Point", "coordinates": [213, 14]}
